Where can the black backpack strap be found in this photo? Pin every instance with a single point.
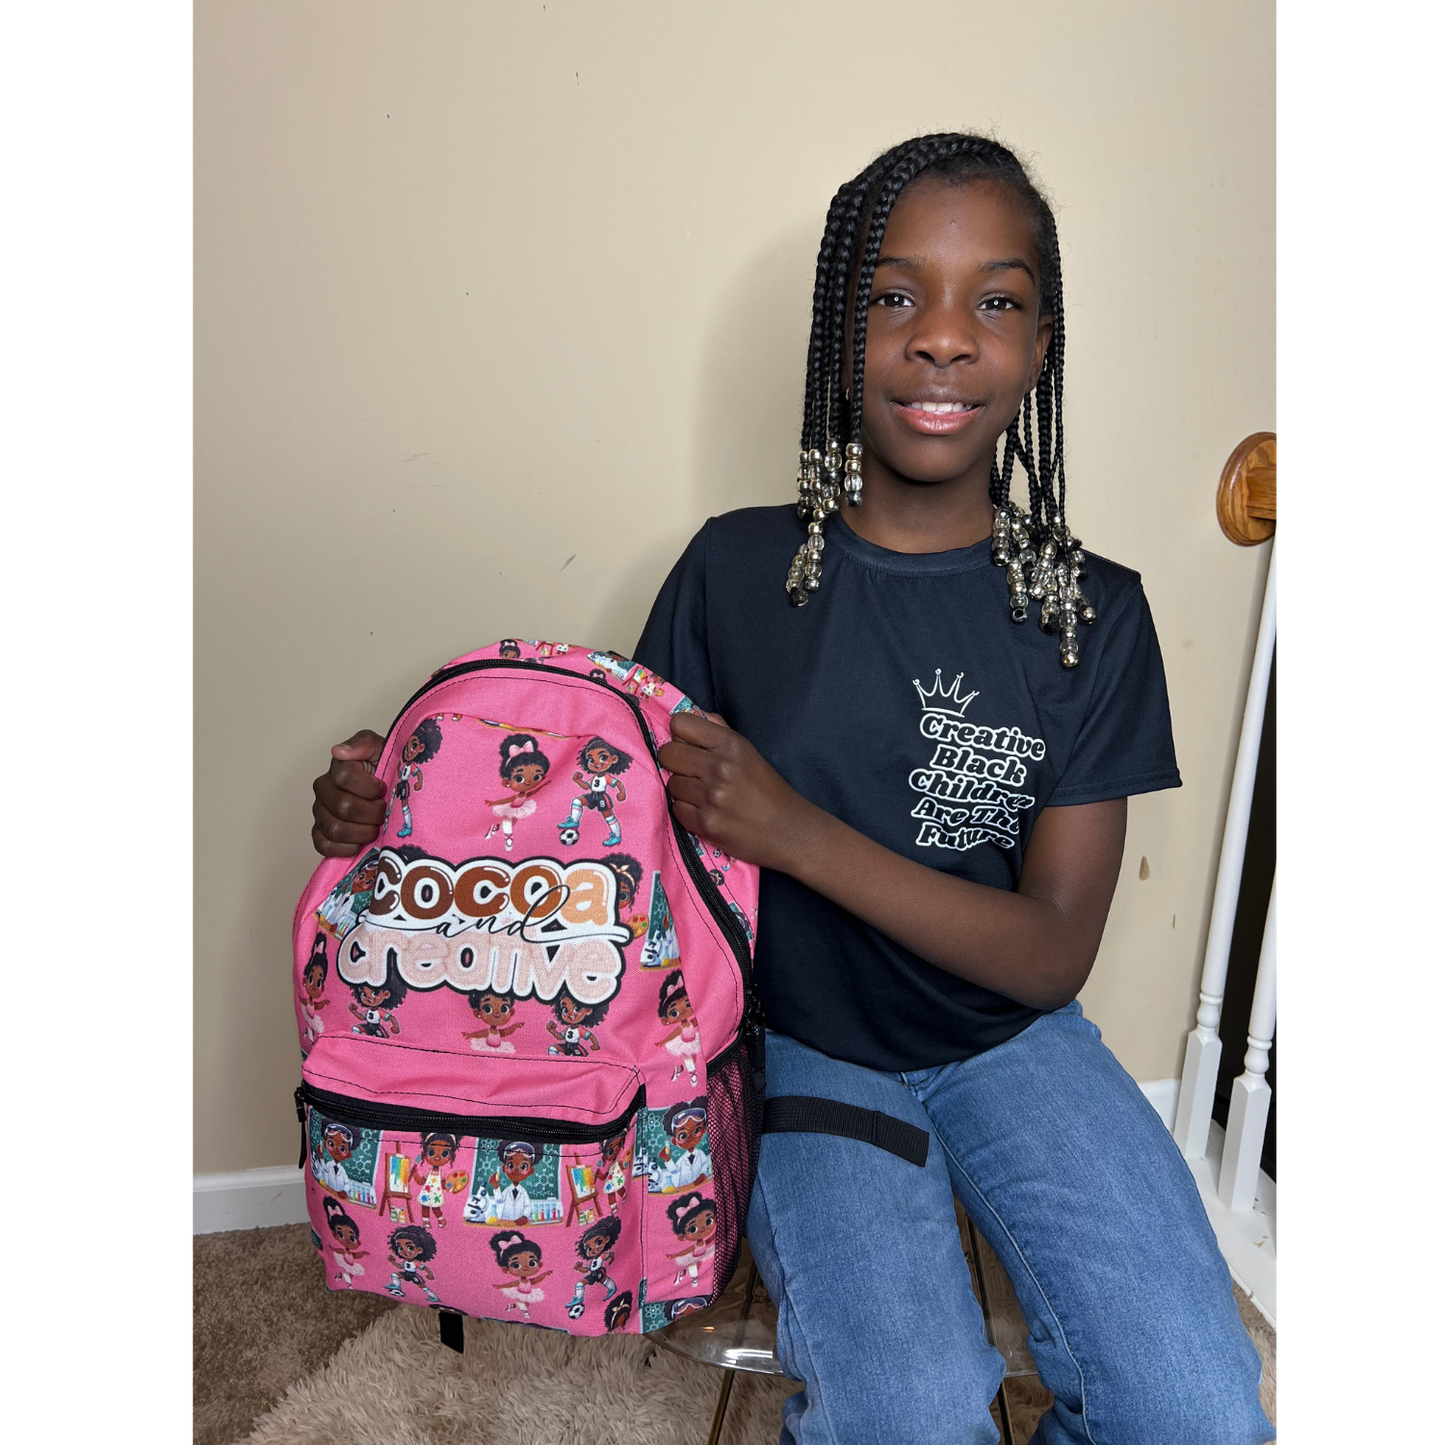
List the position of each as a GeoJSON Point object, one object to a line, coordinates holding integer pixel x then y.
{"type": "Point", "coordinates": [450, 1323]}
{"type": "Point", "coordinates": [800, 1114]}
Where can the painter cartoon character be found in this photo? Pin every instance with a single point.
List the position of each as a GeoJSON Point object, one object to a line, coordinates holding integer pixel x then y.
{"type": "Point", "coordinates": [509, 647]}
{"type": "Point", "coordinates": [570, 1026]}
{"type": "Point", "coordinates": [694, 1222]}
{"type": "Point", "coordinates": [628, 872]}
{"type": "Point", "coordinates": [615, 1171]}
{"type": "Point", "coordinates": [411, 1250]}
{"type": "Point", "coordinates": [432, 1170]}
{"type": "Point", "coordinates": [369, 1006]}
{"type": "Point", "coordinates": [684, 1161]}
{"type": "Point", "coordinates": [421, 747]}
{"type": "Point", "coordinates": [618, 1312]}
{"type": "Point", "coordinates": [494, 1013]}
{"type": "Point", "coordinates": [346, 1235]}
{"type": "Point", "coordinates": [524, 774]}
{"type": "Point", "coordinates": [313, 987]}
{"type": "Point", "coordinates": [351, 897]}
{"type": "Point", "coordinates": [509, 1200]}
{"type": "Point", "coordinates": [599, 769]}
{"type": "Point", "coordinates": [521, 1260]}
{"type": "Point", "coordinates": [594, 1254]}
{"type": "Point", "coordinates": [674, 1008]}
{"type": "Point", "coordinates": [550, 649]}
{"type": "Point", "coordinates": [338, 1142]}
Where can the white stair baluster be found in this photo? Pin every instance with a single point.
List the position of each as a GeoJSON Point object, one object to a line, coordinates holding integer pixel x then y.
{"type": "Point", "coordinates": [1249, 1099]}
{"type": "Point", "coordinates": [1201, 1052]}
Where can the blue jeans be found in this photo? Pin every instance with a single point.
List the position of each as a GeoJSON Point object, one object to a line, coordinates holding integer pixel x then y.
{"type": "Point", "coordinates": [1076, 1184]}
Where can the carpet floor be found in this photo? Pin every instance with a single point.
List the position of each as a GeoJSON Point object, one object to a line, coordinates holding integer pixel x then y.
{"type": "Point", "coordinates": [279, 1360]}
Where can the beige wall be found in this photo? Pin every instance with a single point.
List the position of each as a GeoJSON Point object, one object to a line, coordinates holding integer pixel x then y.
{"type": "Point", "coordinates": [473, 278]}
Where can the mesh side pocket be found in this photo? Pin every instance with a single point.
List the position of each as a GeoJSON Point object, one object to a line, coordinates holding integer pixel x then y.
{"type": "Point", "coordinates": [734, 1122]}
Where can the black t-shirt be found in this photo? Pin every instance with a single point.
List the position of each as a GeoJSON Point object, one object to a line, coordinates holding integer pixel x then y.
{"type": "Point", "coordinates": [905, 701]}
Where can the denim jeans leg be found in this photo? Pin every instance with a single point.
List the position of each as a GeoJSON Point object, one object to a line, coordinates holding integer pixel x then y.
{"type": "Point", "coordinates": [860, 1251]}
{"type": "Point", "coordinates": [1078, 1187]}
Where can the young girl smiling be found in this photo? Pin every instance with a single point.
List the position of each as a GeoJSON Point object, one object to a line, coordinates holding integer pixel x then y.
{"type": "Point", "coordinates": [937, 797]}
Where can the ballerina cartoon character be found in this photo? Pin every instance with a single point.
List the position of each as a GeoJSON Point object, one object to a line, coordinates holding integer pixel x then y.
{"type": "Point", "coordinates": [684, 1161]}
{"type": "Point", "coordinates": [411, 1250]}
{"type": "Point", "coordinates": [369, 1006]}
{"type": "Point", "coordinates": [594, 1254]}
{"type": "Point", "coordinates": [313, 986]}
{"type": "Point", "coordinates": [694, 1221]}
{"type": "Point", "coordinates": [510, 648]}
{"type": "Point", "coordinates": [599, 768]}
{"type": "Point", "coordinates": [524, 774]}
{"type": "Point", "coordinates": [421, 747]}
{"type": "Point", "coordinates": [628, 872]}
{"type": "Point", "coordinates": [432, 1170]}
{"type": "Point", "coordinates": [521, 1260]}
{"type": "Point", "coordinates": [346, 1236]}
{"type": "Point", "coordinates": [569, 1027]}
{"type": "Point", "coordinates": [493, 1010]}
{"type": "Point", "coordinates": [674, 1008]}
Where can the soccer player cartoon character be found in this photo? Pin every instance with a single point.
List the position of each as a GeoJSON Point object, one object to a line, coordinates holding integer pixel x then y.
{"type": "Point", "coordinates": [674, 1008]}
{"type": "Point", "coordinates": [432, 1169]}
{"type": "Point", "coordinates": [618, 1312]}
{"type": "Point", "coordinates": [569, 1027]}
{"type": "Point", "coordinates": [411, 1250]}
{"type": "Point", "coordinates": [694, 1221]}
{"type": "Point", "coordinates": [524, 774]}
{"type": "Point", "coordinates": [337, 1143]}
{"type": "Point", "coordinates": [421, 747]}
{"type": "Point", "coordinates": [313, 986]}
{"type": "Point", "coordinates": [684, 1161]}
{"type": "Point", "coordinates": [628, 872]}
{"type": "Point", "coordinates": [521, 1259]}
{"type": "Point", "coordinates": [494, 1013]}
{"type": "Point", "coordinates": [594, 1254]}
{"type": "Point", "coordinates": [509, 1200]}
{"type": "Point", "coordinates": [615, 1170]}
{"type": "Point", "coordinates": [600, 768]}
{"type": "Point", "coordinates": [346, 1236]}
{"type": "Point", "coordinates": [373, 1017]}
{"type": "Point", "coordinates": [345, 904]}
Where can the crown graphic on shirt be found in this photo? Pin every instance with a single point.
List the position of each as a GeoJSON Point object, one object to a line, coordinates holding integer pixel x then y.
{"type": "Point", "coordinates": [940, 696]}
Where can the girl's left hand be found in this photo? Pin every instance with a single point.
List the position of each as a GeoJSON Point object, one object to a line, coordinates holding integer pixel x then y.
{"type": "Point", "coordinates": [723, 791]}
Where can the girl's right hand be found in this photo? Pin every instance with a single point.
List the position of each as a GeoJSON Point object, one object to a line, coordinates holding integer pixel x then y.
{"type": "Point", "coordinates": [350, 804]}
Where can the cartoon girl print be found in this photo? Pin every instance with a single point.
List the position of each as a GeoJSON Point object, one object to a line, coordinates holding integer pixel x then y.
{"type": "Point", "coordinates": [694, 1221]}
{"type": "Point", "coordinates": [432, 1170]}
{"type": "Point", "coordinates": [615, 1170]}
{"type": "Point", "coordinates": [628, 872]}
{"type": "Point", "coordinates": [618, 1312]}
{"type": "Point", "coordinates": [346, 1235]}
{"type": "Point", "coordinates": [569, 1027]}
{"type": "Point", "coordinates": [600, 767]}
{"type": "Point", "coordinates": [674, 1008]}
{"type": "Point", "coordinates": [373, 1017]}
{"type": "Point", "coordinates": [521, 1259]}
{"type": "Point", "coordinates": [594, 1254]}
{"type": "Point", "coordinates": [493, 1010]}
{"type": "Point", "coordinates": [421, 747]}
{"type": "Point", "coordinates": [313, 986]}
{"type": "Point", "coordinates": [337, 1143]}
{"type": "Point", "coordinates": [412, 1249]}
{"type": "Point", "coordinates": [550, 649]}
{"type": "Point", "coordinates": [684, 1161]}
{"type": "Point", "coordinates": [510, 1201]}
{"type": "Point", "coordinates": [345, 904]}
{"type": "Point", "coordinates": [524, 774]}
{"type": "Point", "coordinates": [509, 647]}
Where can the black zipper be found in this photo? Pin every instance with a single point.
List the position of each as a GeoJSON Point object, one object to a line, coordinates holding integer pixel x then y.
{"type": "Point", "coordinates": [402, 1119]}
{"type": "Point", "coordinates": [726, 919]}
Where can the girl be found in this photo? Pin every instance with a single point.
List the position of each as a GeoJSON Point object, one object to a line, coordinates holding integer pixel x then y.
{"type": "Point", "coordinates": [524, 774]}
{"type": "Point", "coordinates": [683, 1162]}
{"type": "Point", "coordinates": [313, 987]}
{"type": "Point", "coordinates": [438, 1153]}
{"type": "Point", "coordinates": [337, 1143]}
{"type": "Point", "coordinates": [628, 872]}
{"type": "Point", "coordinates": [522, 1260]}
{"type": "Point", "coordinates": [347, 1236]}
{"type": "Point", "coordinates": [369, 1006]}
{"type": "Point", "coordinates": [569, 1027]}
{"type": "Point", "coordinates": [614, 1170]}
{"type": "Point", "coordinates": [600, 767]}
{"type": "Point", "coordinates": [492, 1011]}
{"type": "Point", "coordinates": [411, 1251]}
{"type": "Point", "coordinates": [594, 1254]}
{"type": "Point", "coordinates": [675, 1008]}
{"type": "Point", "coordinates": [938, 860]}
{"type": "Point", "coordinates": [694, 1221]}
{"type": "Point", "coordinates": [421, 747]}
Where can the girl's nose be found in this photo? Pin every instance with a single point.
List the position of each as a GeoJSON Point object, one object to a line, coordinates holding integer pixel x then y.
{"type": "Point", "coordinates": [943, 335]}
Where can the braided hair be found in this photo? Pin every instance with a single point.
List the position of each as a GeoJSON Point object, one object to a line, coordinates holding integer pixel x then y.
{"type": "Point", "coordinates": [1043, 559]}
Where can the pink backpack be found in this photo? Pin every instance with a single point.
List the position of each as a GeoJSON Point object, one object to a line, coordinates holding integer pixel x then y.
{"type": "Point", "coordinates": [531, 1079]}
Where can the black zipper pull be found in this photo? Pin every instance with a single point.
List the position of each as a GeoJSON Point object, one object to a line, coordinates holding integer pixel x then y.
{"type": "Point", "coordinates": [301, 1119]}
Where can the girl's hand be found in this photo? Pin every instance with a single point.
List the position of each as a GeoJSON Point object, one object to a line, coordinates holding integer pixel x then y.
{"type": "Point", "coordinates": [725, 793]}
{"type": "Point", "coordinates": [350, 802]}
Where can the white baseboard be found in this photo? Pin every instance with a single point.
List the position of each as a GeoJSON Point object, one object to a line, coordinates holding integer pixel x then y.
{"type": "Point", "coordinates": [252, 1199]}
{"type": "Point", "coordinates": [1164, 1095]}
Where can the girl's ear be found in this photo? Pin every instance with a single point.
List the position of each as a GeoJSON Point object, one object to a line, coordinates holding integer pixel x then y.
{"type": "Point", "coordinates": [1041, 347]}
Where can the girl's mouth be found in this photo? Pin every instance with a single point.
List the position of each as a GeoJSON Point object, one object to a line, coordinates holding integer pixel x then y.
{"type": "Point", "coordinates": [937, 418]}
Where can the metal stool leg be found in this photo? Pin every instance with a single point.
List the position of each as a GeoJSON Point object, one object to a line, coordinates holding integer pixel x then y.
{"type": "Point", "coordinates": [720, 1413]}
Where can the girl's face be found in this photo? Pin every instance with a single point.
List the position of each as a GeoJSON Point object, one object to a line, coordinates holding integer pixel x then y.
{"type": "Point", "coordinates": [595, 1246]}
{"type": "Point", "coordinates": [413, 749]}
{"type": "Point", "coordinates": [408, 1249]}
{"type": "Point", "coordinates": [517, 1167]}
{"type": "Point", "coordinates": [337, 1145]}
{"type": "Point", "coordinates": [699, 1227]}
{"type": "Point", "coordinates": [439, 1153]}
{"type": "Point", "coordinates": [953, 322]}
{"type": "Point", "coordinates": [570, 1011]}
{"type": "Point", "coordinates": [600, 760]}
{"type": "Point", "coordinates": [495, 1010]}
{"type": "Point", "coordinates": [688, 1133]}
{"type": "Point", "coordinates": [313, 981]}
{"type": "Point", "coordinates": [345, 1235]}
{"type": "Point", "coordinates": [373, 997]}
{"type": "Point", "coordinates": [524, 775]}
{"type": "Point", "coordinates": [679, 1010]}
{"type": "Point", "coordinates": [522, 1263]}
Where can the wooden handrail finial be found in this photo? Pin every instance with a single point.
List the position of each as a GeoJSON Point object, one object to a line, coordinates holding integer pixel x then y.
{"type": "Point", "coordinates": [1244, 502]}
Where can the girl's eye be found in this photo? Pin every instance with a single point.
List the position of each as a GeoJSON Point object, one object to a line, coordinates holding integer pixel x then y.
{"type": "Point", "coordinates": [1000, 303]}
{"type": "Point", "coordinates": [893, 300]}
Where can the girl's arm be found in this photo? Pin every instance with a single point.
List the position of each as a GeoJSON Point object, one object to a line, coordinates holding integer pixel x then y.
{"type": "Point", "coordinates": [1035, 945]}
{"type": "Point", "coordinates": [621, 791]}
